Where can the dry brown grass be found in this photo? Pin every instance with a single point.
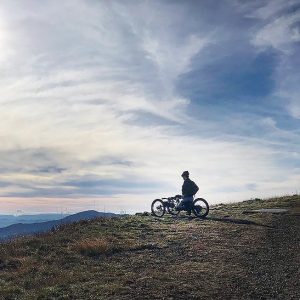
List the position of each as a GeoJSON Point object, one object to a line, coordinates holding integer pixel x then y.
{"type": "Point", "coordinates": [102, 246]}
{"type": "Point", "coordinates": [144, 257]}
{"type": "Point", "coordinates": [93, 247]}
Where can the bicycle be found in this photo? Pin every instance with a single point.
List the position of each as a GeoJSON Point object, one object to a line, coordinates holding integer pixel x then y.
{"type": "Point", "coordinates": [199, 207]}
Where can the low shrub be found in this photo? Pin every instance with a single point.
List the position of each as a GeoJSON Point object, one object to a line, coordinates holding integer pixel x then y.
{"type": "Point", "coordinates": [93, 247]}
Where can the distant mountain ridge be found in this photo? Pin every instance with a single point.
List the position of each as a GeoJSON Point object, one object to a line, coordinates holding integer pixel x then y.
{"type": "Point", "coordinates": [6, 220]}
{"type": "Point", "coordinates": [21, 229]}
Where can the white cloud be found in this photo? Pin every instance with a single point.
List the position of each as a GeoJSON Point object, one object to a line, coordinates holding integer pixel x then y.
{"type": "Point", "coordinates": [280, 33]}
{"type": "Point", "coordinates": [267, 9]}
{"type": "Point", "coordinates": [79, 76]}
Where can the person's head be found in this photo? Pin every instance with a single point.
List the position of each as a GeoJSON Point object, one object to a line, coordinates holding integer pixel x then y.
{"type": "Point", "coordinates": [185, 175]}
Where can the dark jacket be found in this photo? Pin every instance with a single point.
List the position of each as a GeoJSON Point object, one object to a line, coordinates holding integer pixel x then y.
{"type": "Point", "coordinates": [189, 188]}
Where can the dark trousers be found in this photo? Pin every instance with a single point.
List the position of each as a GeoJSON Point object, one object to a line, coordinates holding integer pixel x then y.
{"type": "Point", "coordinates": [186, 204]}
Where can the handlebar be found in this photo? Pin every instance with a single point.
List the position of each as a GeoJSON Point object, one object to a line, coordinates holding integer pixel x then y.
{"type": "Point", "coordinates": [173, 198]}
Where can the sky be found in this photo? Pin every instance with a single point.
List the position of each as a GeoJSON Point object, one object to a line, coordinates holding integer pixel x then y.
{"type": "Point", "coordinates": [103, 104]}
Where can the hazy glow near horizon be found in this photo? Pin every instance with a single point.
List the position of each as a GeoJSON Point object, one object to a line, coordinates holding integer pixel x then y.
{"type": "Point", "coordinates": [105, 103]}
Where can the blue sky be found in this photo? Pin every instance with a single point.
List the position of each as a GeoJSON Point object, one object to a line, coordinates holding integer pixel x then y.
{"type": "Point", "coordinates": [104, 103]}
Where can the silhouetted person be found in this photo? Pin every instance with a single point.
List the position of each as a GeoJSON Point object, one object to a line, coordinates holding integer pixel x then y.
{"type": "Point", "coordinates": [189, 189]}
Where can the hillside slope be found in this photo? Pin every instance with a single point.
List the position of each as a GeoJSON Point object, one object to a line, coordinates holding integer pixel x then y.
{"type": "Point", "coordinates": [21, 229]}
{"type": "Point", "coordinates": [229, 255]}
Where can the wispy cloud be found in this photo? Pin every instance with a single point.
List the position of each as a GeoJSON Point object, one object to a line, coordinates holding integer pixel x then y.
{"type": "Point", "coordinates": [281, 31]}
{"type": "Point", "coordinates": [112, 99]}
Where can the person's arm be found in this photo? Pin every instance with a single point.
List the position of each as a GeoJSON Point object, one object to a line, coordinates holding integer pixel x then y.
{"type": "Point", "coordinates": [196, 188]}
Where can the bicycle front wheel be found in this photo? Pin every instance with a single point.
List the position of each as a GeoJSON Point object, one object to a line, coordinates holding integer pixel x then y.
{"type": "Point", "coordinates": [200, 207]}
{"type": "Point", "coordinates": [157, 207]}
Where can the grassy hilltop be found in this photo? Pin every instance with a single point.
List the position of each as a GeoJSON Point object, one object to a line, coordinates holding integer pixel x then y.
{"type": "Point", "coordinates": [229, 255]}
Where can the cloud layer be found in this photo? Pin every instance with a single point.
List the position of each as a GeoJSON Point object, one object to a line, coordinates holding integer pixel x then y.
{"type": "Point", "coordinates": [113, 100]}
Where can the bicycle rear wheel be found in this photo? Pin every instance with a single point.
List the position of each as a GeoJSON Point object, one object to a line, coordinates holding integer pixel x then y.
{"type": "Point", "coordinates": [200, 208]}
{"type": "Point", "coordinates": [158, 208]}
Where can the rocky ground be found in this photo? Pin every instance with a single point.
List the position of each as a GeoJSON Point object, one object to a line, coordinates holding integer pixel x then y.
{"type": "Point", "coordinates": [232, 254]}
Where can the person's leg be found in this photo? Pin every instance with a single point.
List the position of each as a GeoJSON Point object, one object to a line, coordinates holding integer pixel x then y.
{"type": "Point", "coordinates": [181, 206]}
{"type": "Point", "coordinates": [188, 205]}
{"type": "Point", "coordinates": [188, 202]}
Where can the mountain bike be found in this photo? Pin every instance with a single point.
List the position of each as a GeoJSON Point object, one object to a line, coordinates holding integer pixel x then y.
{"type": "Point", "coordinates": [159, 207]}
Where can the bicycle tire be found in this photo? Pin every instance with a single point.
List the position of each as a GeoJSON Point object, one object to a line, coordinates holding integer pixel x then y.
{"type": "Point", "coordinates": [158, 206]}
{"type": "Point", "coordinates": [200, 208]}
